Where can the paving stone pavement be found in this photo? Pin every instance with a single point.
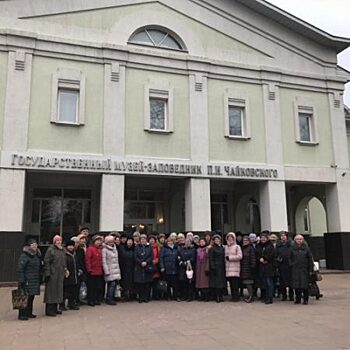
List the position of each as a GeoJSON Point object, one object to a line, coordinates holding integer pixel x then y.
{"type": "Point", "coordinates": [321, 325]}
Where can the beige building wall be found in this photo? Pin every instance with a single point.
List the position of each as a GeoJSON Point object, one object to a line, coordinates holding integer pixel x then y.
{"type": "Point", "coordinates": [225, 149]}
{"type": "Point", "coordinates": [143, 143]}
{"type": "Point", "coordinates": [3, 80]}
{"type": "Point", "coordinates": [44, 135]}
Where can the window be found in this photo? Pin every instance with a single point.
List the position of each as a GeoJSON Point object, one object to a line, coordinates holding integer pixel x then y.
{"type": "Point", "coordinates": [305, 127]}
{"type": "Point", "coordinates": [158, 109]}
{"type": "Point", "coordinates": [237, 122]}
{"type": "Point", "coordinates": [68, 105]}
{"type": "Point", "coordinates": [347, 127]}
{"type": "Point", "coordinates": [68, 97]}
{"type": "Point", "coordinates": [160, 38]}
{"type": "Point", "coordinates": [305, 122]}
{"type": "Point", "coordinates": [60, 211]}
{"type": "Point", "coordinates": [236, 115]}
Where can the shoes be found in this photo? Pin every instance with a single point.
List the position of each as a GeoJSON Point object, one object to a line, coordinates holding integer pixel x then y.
{"type": "Point", "coordinates": [268, 301]}
{"type": "Point", "coordinates": [59, 312]}
{"type": "Point", "coordinates": [297, 302]}
{"type": "Point", "coordinates": [97, 303]}
{"type": "Point", "coordinates": [32, 316]}
{"type": "Point", "coordinates": [63, 308]}
{"type": "Point", "coordinates": [140, 301]}
{"type": "Point", "coordinates": [73, 307]}
{"type": "Point", "coordinates": [178, 299]}
{"type": "Point", "coordinates": [248, 300]}
{"type": "Point", "coordinates": [305, 302]}
{"type": "Point", "coordinates": [23, 318]}
{"type": "Point", "coordinates": [111, 302]}
{"type": "Point", "coordinates": [91, 303]}
{"type": "Point", "coordinates": [51, 315]}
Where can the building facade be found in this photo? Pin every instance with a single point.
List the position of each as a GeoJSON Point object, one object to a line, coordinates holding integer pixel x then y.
{"type": "Point", "coordinates": [170, 116]}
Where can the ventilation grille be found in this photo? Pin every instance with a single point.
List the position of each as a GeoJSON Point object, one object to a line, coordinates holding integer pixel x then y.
{"type": "Point", "coordinates": [198, 86]}
{"type": "Point", "coordinates": [19, 65]}
{"type": "Point", "coordinates": [336, 103]}
{"type": "Point", "coordinates": [272, 96]}
{"type": "Point", "coordinates": [115, 76]}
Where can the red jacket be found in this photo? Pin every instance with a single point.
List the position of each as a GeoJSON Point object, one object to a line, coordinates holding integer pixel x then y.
{"type": "Point", "coordinates": [93, 261]}
{"type": "Point", "coordinates": [156, 251]}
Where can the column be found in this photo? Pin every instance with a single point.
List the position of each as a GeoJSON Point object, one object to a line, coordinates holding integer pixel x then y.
{"type": "Point", "coordinates": [114, 110]}
{"type": "Point", "coordinates": [337, 239]}
{"type": "Point", "coordinates": [17, 101]}
{"type": "Point", "coordinates": [273, 206]}
{"type": "Point", "coordinates": [197, 205]}
{"type": "Point", "coordinates": [112, 203]}
{"type": "Point", "coordinates": [12, 188]}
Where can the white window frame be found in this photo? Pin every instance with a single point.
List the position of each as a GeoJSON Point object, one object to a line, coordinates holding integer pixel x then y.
{"type": "Point", "coordinates": [68, 79]}
{"type": "Point", "coordinates": [347, 126]}
{"type": "Point", "coordinates": [164, 92]}
{"type": "Point", "coordinates": [239, 99]}
{"type": "Point", "coordinates": [303, 106]}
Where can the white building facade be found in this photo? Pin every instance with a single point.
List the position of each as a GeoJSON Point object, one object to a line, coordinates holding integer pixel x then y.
{"type": "Point", "coordinates": [170, 116]}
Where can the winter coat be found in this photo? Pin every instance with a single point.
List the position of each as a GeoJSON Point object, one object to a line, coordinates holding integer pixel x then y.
{"type": "Point", "coordinates": [202, 268]}
{"type": "Point", "coordinates": [80, 255]}
{"type": "Point", "coordinates": [93, 261]}
{"type": "Point", "coordinates": [233, 257]}
{"type": "Point", "coordinates": [110, 261]}
{"type": "Point", "coordinates": [183, 255]}
{"type": "Point", "coordinates": [143, 253]}
{"type": "Point", "coordinates": [267, 252]}
{"type": "Point", "coordinates": [156, 259]}
{"type": "Point", "coordinates": [217, 277]}
{"type": "Point", "coordinates": [248, 263]}
{"type": "Point", "coordinates": [127, 263]}
{"type": "Point", "coordinates": [302, 264]}
{"type": "Point", "coordinates": [168, 259]}
{"type": "Point", "coordinates": [29, 270]}
{"type": "Point", "coordinates": [283, 255]}
{"type": "Point", "coordinates": [54, 267]}
{"type": "Point", "coordinates": [72, 267]}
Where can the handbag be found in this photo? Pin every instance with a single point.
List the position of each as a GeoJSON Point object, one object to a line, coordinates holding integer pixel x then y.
{"type": "Point", "coordinates": [189, 270]}
{"type": "Point", "coordinates": [83, 292]}
{"type": "Point", "coordinates": [19, 299]}
{"type": "Point", "coordinates": [318, 276]}
{"type": "Point", "coordinates": [162, 286]}
{"type": "Point", "coordinates": [151, 268]}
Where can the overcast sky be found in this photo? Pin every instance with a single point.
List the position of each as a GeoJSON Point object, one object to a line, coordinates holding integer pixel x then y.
{"type": "Point", "coordinates": [332, 16]}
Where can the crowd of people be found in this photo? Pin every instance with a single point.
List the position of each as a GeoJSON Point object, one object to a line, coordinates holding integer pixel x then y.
{"type": "Point", "coordinates": [155, 267]}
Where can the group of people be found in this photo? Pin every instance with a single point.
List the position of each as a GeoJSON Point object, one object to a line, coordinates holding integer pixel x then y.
{"type": "Point", "coordinates": [178, 267]}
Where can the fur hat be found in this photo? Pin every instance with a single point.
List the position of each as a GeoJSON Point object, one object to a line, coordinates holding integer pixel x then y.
{"type": "Point", "coordinates": [252, 235]}
{"type": "Point", "coordinates": [70, 242]}
{"type": "Point", "coordinates": [55, 238]}
{"type": "Point", "coordinates": [31, 241]}
{"type": "Point", "coordinates": [143, 236]}
{"type": "Point", "coordinates": [217, 236]}
{"type": "Point", "coordinates": [109, 239]}
{"type": "Point", "coordinates": [96, 237]}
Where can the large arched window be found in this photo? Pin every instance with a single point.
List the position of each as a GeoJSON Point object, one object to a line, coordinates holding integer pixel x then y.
{"type": "Point", "coordinates": [157, 37]}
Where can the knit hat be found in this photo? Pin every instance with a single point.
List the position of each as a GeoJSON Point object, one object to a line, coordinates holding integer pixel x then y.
{"type": "Point", "coordinates": [264, 234]}
{"type": "Point", "coordinates": [143, 236]}
{"type": "Point", "coordinates": [252, 235]}
{"type": "Point", "coordinates": [96, 237]}
{"type": "Point", "coordinates": [70, 242]}
{"type": "Point", "coordinates": [56, 237]}
{"type": "Point", "coordinates": [75, 239]}
{"type": "Point", "coordinates": [196, 237]}
{"type": "Point", "coordinates": [232, 234]}
{"type": "Point", "coordinates": [81, 236]}
{"type": "Point", "coordinates": [31, 241]}
{"type": "Point", "coordinates": [216, 236]}
{"type": "Point", "coordinates": [109, 239]}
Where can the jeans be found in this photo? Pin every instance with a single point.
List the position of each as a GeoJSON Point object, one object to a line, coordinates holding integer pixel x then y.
{"type": "Point", "coordinates": [269, 287]}
{"type": "Point", "coordinates": [111, 286]}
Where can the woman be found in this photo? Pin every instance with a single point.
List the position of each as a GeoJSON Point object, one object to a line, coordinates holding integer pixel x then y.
{"type": "Point", "coordinates": [233, 257]}
{"type": "Point", "coordinates": [127, 263]}
{"type": "Point", "coordinates": [168, 266]}
{"type": "Point", "coordinates": [29, 276]}
{"type": "Point", "coordinates": [143, 269]}
{"type": "Point", "coordinates": [248, 265]}
{"type": "Point", "coordinates": [266, 256]}
{"type": "Point", "coordinates": [283, 255]}
{"type": "Point", "coordinates": [55, 269]}
{"type": "Point", "coordinates": [94, 268]}
{"type": "Point", "coordinates": [202, 270]}
{"type": "Point", "coordinates": [156, 274]}
{"type": "Point", "coordinates": [110, 262]}
{"type": "Point", "coordinates": [217, 278]}
{"type": "Point", "coordinates": [80, 254]}
{"type": "Point", "coordinates": [71, 282]}
{"type": "Point", "coordinates": [187, 260]}
{"type": "Point", "coordinates": [302, 267]}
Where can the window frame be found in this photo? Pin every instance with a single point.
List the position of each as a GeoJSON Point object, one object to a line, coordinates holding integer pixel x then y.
{"type": "Point", "coordinates": [237, 99]}
{"type": "Point", "coordinates": [160, 91]}
{"type": "Point", "coordinates": [59, 91]}
{"type": "Point", "coordinates": [302, 106]}
{"type": "Point", "coordinates": [347, 126]}
{"type": "Point", "coordinates": [73, 80]}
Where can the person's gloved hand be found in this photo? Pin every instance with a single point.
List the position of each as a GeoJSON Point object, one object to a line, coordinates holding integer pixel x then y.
{"type": "Point", "coordinates": [227, 258]}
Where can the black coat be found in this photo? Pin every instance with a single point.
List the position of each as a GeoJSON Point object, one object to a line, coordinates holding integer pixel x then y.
{"type": "Point", "coordinates": [29, 270]}
{"type": "Point", "coordinates": [283, 255]}
{"type": "Point", "coordinates": [185, 254]}
{"type": "Point", "coordinates": [217, 277]}
{"type": "Point", "coordinates": [80, 256]}
{"type": "Point", "coordinates": [169, 259]}
{"type": "Point", "coordinates": [71, 265]}
{"type": "Point", "coordinates": [126, 264]}
{"type": "Point", "coordinates": [302, 264]}
{"type": "Point", "coordinates": [267, 252]}
{"type": "Point", "coordinates": [248, 263]}
{"type": "Point", "coordinates": [143, 253]}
